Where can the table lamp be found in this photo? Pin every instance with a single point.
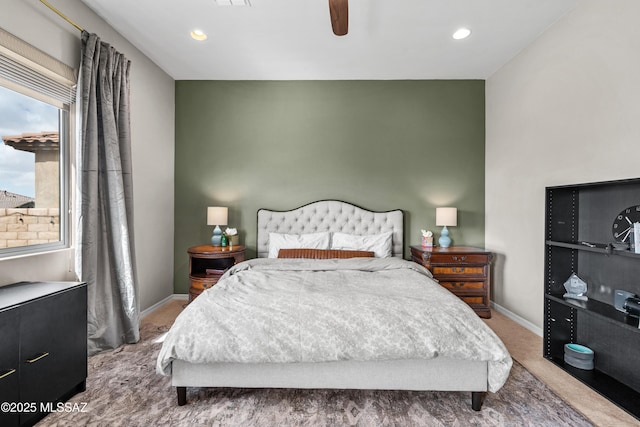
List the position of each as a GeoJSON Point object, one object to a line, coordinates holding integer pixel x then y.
{"type": "Point", "coordinates": [217, 216]}
{"type": "Point", "coordinates": [446, 217]}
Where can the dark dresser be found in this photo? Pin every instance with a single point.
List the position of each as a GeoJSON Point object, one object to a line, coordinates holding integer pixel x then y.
{"type": "Point", "coordinates": [43, 356]}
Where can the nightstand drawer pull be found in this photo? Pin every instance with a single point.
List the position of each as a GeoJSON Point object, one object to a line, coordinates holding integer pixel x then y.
{"type": "Point", "coordinates": [6, 374]}
{"type": "Point", "coordinates": [459, 258]}
{"type": "Point", "coordinates": [35, 359]}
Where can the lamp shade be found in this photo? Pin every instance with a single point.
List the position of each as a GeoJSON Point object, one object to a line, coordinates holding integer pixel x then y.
{"type": "Point", "coordinates": [217, 215]}
{"type": "Point", "coordinates": [446, 217]}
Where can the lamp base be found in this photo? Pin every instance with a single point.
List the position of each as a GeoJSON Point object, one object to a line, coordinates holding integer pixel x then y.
{"type": "Point", "coordinates": [444, 240]}
{"type": "Point", "coordinates": [216, 237]}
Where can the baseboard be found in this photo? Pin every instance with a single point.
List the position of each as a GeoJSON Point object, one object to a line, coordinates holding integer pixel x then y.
{"type": "Point", "coordinates": [519, 320]}
{"type": "Point", "coordinates": [162, 302]}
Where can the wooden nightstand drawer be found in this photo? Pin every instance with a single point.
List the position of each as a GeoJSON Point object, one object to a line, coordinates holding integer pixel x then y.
{"type": "Point", "coordinates": [459, 286]}
{"type": "Point", "coordinates": [455, 271]}
{"type": "Point", "coordinates": [473, 300]}
{"type": "Point", "coordinates": [459, 259]}
{"type": "Point", "coordinates": [199, 284]}
{"type": "Point", "coordinates": [203, 283]}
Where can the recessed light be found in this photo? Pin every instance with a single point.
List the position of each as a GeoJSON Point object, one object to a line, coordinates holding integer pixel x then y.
{"type": "Point", "coordinates": [461, 33]}
{"type": "Point", "coordinates": [198, 35]}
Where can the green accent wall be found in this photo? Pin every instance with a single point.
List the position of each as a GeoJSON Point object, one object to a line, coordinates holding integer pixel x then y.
{"type": "Point", "coordinates": [412, 145]}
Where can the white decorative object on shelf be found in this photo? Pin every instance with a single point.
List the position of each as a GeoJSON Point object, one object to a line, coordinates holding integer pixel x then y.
{"type": "Point", "coordinates": [576, 288]}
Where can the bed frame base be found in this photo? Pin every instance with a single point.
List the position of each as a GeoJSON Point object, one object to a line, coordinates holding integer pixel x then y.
{"type": "Point", "coordinates": [438, 374]}
{"type": "Point", "coordinates": [477, 398]}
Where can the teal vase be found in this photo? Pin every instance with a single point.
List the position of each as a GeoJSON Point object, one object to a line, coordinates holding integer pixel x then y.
{"type": "Point", "coordinates": [444, 240]}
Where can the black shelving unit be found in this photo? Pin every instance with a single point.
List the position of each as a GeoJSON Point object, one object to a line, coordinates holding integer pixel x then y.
{"type": "Point", "coordinates": [578, 230]}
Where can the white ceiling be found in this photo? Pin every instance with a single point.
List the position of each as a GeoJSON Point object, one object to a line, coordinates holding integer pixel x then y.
{"type": "Point", "coordinates": [292, 39]}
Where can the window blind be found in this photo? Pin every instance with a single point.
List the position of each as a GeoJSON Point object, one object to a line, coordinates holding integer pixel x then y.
{"type": "Point", "coordinates": [27, 69]}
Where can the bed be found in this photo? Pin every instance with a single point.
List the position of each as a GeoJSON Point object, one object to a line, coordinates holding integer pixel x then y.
{"type": "Point", "coordinates": [353, 323]}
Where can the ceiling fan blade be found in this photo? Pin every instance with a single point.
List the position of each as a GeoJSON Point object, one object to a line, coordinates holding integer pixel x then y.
{"type": "Point", "coordinates": [339, 10]}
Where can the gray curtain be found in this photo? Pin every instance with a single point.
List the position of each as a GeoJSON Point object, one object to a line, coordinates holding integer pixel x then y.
{"type": "Point", "coordinates": [105, 246]}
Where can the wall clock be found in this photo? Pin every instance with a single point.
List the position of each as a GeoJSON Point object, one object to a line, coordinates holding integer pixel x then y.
{"type": "Point", "coordinates": [623, 223]}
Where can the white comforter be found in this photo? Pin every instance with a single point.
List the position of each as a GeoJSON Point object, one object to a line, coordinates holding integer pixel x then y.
{"type": "Point", "coordinates": [293, 310]}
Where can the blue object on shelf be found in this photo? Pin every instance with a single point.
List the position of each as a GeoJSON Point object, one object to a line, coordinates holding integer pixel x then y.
{"type": "Point", "coordinates": [580, 349]}
{"type": "Point", "coordinates": [578, 356]}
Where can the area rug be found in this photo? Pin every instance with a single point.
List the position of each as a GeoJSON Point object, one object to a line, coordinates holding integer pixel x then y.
{"type": "Point", "coordinates": [124, 390]}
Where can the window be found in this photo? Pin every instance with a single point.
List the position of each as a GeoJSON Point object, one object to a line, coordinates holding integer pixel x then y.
{"type": "Point", "coordinates": [35, 105]}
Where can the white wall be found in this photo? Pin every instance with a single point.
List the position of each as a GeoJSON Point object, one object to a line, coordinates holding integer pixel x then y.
{"type": "Point", "coordinates": [565, 110]}
{"type": "Point", "coordinates": [152, 123]}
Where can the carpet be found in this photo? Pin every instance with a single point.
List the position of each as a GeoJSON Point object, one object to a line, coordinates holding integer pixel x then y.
{"type": "Point", "coordinates": [124, 390]}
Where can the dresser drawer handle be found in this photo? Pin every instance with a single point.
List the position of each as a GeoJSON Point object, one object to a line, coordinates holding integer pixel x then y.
{"type": "Point", "coordinates": [6, 374]}
{"type": "Point", "coordinates": [461, 258]}
{"type": "Point", "coordinates": [458, 269]}
{"type": "Point", "coordinates": [35, 359]}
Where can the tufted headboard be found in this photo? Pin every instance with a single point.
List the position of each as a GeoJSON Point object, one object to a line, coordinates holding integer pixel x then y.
{"type": "Point", "coordinates": [329, 215]}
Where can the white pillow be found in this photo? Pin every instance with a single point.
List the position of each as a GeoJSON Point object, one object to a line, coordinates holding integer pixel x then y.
{"type": "Point", "coordinates": [381, 244]}
{"type": "Point", "coordinates": [279, 241]}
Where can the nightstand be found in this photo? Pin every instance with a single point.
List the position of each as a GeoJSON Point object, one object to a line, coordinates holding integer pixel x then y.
{"type": "Point", "coordinates": [463, 270]}
{"type": "Point", "coordinates": [208, 263]}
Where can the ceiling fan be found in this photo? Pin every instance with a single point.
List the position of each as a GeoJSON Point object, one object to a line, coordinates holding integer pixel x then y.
{"type": "Point", "coordinates": [339, 10]}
